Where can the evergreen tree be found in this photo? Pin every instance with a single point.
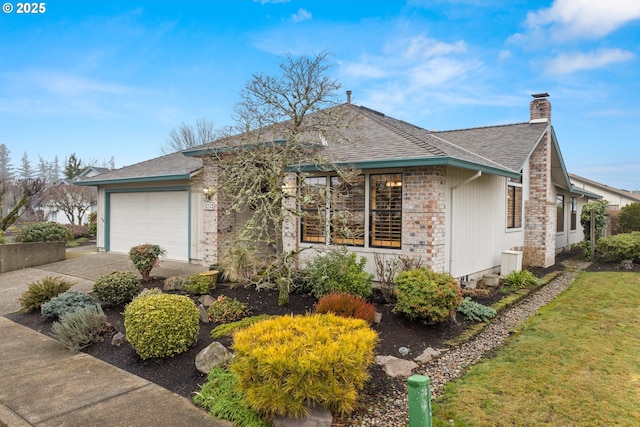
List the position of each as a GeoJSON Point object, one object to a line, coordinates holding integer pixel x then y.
{"type": "Point", "coordinates": [6, 169]}
{"type": "Point", "coordinates": [25, 171]}
{"type": "Point", "coordinates": [43, 171]}
{"type": "Point", "coordinates": [73, 167]}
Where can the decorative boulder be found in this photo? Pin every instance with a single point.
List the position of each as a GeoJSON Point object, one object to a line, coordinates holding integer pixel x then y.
{"type": "Point", "coordinates": [211, 356]}
{"type": "Point", "coordinates": [395, 367]}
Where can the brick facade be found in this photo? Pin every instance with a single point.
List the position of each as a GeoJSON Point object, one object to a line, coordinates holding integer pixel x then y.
{"type": "Point", "coordinates": [424, 215]}
{"type": "Point", "coordinates": [216, 218]}
{"type": "Point", "coordinates": [540, 208]}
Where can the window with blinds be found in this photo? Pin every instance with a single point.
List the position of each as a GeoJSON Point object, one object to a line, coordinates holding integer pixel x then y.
{"type": "Point", "coordinates": [386, 210]}
{"type": "Point", "coordinates": [313, 222]}
{"type": "Point", "coordinates": [514, 206]}
{"type": "Point", "coordinates": [347, 211]}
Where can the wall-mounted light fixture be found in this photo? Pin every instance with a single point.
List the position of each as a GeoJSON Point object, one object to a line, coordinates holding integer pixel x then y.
{"type": "Point", "coordinates": [208, 193]}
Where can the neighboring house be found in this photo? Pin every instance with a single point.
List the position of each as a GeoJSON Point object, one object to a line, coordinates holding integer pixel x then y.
{"type": "Point", "coordinates": [457, 199]}
{"type": "Point", "coordinates": [52, 213]}
{"type": "Point", "coordinates": [615, 196]}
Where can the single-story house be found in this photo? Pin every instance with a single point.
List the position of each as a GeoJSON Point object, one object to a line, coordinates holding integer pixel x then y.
{"type": "Point", "coordinates": [457, 199]}
{"type": "Point", "coordinates": [615, 196]}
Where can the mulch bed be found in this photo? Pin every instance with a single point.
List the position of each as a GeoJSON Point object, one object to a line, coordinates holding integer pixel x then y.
{"type": "Point", "coordinates": [179, 374]}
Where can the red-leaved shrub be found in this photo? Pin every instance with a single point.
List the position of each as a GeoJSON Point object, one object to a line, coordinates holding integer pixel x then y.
{"type": "Point", "coordinates": [346, 305]}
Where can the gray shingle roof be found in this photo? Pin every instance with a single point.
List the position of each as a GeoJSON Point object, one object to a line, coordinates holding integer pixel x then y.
{"type": "Point", "coordinates": [171, 166]}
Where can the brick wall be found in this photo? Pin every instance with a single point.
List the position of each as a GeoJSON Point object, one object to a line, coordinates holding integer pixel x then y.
{"type": "Point", "coordinates": [424, 218]}
{"type": "Point", "coordinates": [540, 209]}
{"type": "Point", "coordinates": [217, 220]}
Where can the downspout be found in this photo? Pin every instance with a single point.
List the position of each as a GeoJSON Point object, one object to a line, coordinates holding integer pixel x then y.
{"type": "Point", "coordinates": [455, 187]}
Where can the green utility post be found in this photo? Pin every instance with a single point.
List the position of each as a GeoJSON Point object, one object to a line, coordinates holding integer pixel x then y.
{"type": "Point", "coordinates": [419, 401]}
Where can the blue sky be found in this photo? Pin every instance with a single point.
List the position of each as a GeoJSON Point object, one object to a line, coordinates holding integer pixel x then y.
{"type": "Point", "coordinates": [112, 78]}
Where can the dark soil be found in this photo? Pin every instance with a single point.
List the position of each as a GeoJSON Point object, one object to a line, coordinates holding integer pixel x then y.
{"type": "Point", "coordinates": [180, 375]}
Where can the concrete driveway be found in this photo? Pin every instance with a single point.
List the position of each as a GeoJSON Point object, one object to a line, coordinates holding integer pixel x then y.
{"type": "Point", "coordinates": [82, 267]}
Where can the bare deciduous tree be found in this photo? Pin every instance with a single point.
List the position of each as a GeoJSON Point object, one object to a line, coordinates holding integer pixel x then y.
{"type": "Point", "coordinates": [74, 201]}
{"type": "Point", "coordinates": [188, 136]}
{"type": "Point", "coordinates": [283, 121]}
{"type": "Point", "coordinates": [26, 192]}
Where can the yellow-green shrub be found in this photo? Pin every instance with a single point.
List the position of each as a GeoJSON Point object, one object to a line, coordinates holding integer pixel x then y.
{"type": "Point", "coordinates": [161, 325]}
{"type": "Point", "coordinates": [288, 361]}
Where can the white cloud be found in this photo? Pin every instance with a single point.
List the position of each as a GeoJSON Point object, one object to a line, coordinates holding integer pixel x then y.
{"type": "Point", "coordinates": [566, 64]}
{"type": "Point", "coordinates": [584, 18]}
{"type": "Point", "coordinates": [301, 15]}
{"type": "Point", "coordinates": [424, 47]}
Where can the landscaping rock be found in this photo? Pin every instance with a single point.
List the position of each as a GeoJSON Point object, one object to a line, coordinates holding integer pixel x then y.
{"type": "Point", "coordinates": [204, 316]}
{"type": "Point", "coordinates": [428, 354]}
{"type": "Point", "coordinates": [490, 281]}
{"type": "Point", "coordinates": [211, 356]}
{"type": "Point", "coordinates": [317, 418]}
{"type": "Point", "coordinates": [626, 264]}
{"type": "Point", "coordinates": [378, 317]}
{"type": "Point", "coordinates": [395, 367]}
{"type": "Point", "coordinates": [206, 300]}
{"type": "Point", "coordinates": [118, 339]}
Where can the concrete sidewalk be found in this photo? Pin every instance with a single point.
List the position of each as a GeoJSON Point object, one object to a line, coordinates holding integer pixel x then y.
{"type": "Point", "coordinates": [42, 383]}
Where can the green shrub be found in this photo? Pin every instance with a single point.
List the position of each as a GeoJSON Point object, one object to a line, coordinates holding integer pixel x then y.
{"type": "Point", "coordinates": [520, 280]}
{"type": "Point", "coordinates": [92, 228]}
{"type": "Point", "coordinates": [65, 303]}
{"type": "Point", "coordinates": [285, 362]}
{"type": "Point", "coordinates": [427, 296]}
{"type": "Point", "coordinates": [347, 305]}
{"type": "Point", "coordinates": [148, 292]}
{"type": "Point", "coordinates": [220, 397]}
{"type": "Point", "coordinates": [145, 257]}
{"type": "Point", "coordinates": [161, 325]}
{"type": "Point", "coordinates": [300, 283]}
{"type": "Point", "coordinates": [42, 291]}
{"type": "Point", "coordinates": [620, 247]}
{"type": "Point", "coordinates": [117, 288]}
{"type": "Point", "coordinates": [225, 309]}
{"type": "Point", "coordinates": [77, 231]}
{"type": "Point", "coordinates": [175, 283]}
{"type": "Point", "coordinates": [80, 328]}
{"type": "Point", "coordinates": [227, 329]}
{"type": "Point", "coordinates": [339, 271]}
{"type": "Point", "coordinates": [44, 232]}
{"type": "Point", "coordinates": [629, 217]}
{"type": "Point", "coordinates": [475, 311]}
{"type": "Point", "coordinates": [3, 239]}
{"type": "Point", "coordinates": [198, 285]}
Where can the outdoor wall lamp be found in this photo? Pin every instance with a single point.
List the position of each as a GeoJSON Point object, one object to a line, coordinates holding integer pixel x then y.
{"type": "Point", "coordinates": [208, 193]}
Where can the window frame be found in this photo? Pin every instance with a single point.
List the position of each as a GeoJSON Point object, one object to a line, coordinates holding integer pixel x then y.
{"type": "Point", "coordinates": [560, 213]}
{"type": "Point", "coordinates": [573, 220]}
{"type": "Point", "coordinates": [516, 208]}
{"type": "Point", "coordinates": [394, 182]}
{"type": "Point", "coordinates": [334, 181]}
{"type": "Point", "coordinates": [312, 211]}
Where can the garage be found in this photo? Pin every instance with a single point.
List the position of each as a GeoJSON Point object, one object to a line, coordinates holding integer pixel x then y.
{"type": "Point", "coordinates": [156, 217]}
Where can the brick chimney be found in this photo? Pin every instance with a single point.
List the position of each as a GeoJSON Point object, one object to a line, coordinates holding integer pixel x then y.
{"type": "Point", "coordinates": [540, 108]}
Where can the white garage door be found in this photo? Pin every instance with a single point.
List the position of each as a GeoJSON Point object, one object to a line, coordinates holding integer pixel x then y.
{"type": "Point", "coordinates": [160, 218]}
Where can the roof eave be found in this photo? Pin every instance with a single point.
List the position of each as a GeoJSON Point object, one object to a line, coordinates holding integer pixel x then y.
{"type": "Point", "coordinates": [93, 183]}
{"type": "Point", "coordinates": [409, 162]}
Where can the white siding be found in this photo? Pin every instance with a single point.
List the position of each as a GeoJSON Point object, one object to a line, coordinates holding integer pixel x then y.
{"type": "Point", "coordinates": [477, 223]}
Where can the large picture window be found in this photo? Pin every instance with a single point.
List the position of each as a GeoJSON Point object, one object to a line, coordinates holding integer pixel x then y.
{"type": "Point", "coordinates": [347, 211]}
{"type": "Point", "coordinates": [514, 206]}
{"type": "Point", "coordinates": [386, 210]}
{"type": "Point", "coordinates": [560, 213]}
{"type": "Point", "coordinates": [313, 222]}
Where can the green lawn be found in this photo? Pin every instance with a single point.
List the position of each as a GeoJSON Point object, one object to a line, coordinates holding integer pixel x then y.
{"type": "Point", "coordinates": [577, 363]}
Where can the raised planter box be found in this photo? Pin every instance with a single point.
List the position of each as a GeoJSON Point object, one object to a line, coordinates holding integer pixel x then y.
{"type": "Point", "coordinates": [14, 256]}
